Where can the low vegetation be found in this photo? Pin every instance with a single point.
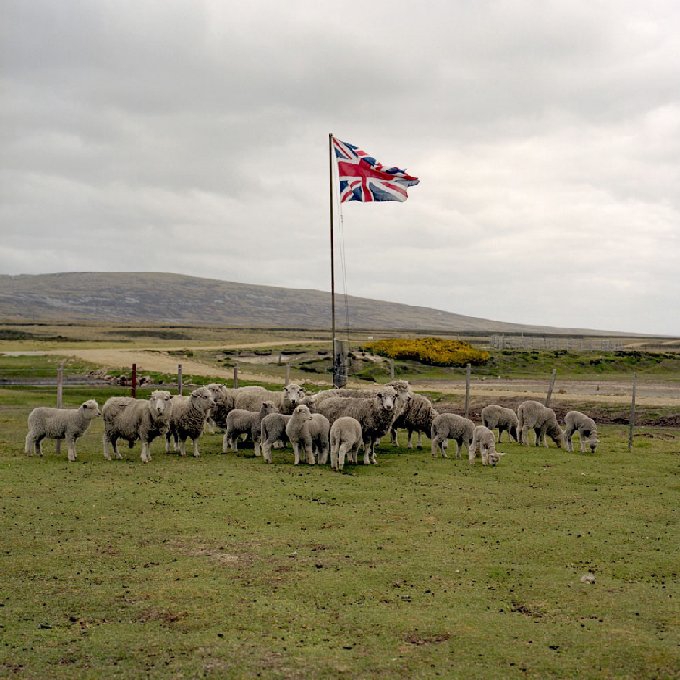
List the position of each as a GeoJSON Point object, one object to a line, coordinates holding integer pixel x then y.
{"type": "Point", "coordinates": [430, 351]}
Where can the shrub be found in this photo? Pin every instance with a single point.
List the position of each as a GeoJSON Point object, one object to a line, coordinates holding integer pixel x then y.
{"type": "Point", "coordinates": [432, 351]}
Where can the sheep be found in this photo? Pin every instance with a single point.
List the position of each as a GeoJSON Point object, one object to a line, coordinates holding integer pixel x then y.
{"type": "Point", "coordinates": [132, 419]}
{"type": "Point", "coordinates": [250, 398]}
{"type": "Point", "coordinates": [241, 422]}
{"type": "Point", "coordinates": [417, 416]}
{"type": "Point", "coordinates": [297, 431]}
{"type": "Point", "coordinates": [187, 419]}
{"type": "Point", "coordinates": [483, 439]}
{"type": "Point", "coordinates": [375, 415]}
{"type": "Point", "coordinates": [272, 430]}
{"type": "Point", "coordinates": [220, 394]}
{"type": "Point", "coordinates": [576, 421]}
{"type": "Point", "coordinates": [59, 423]}
{"type": "Point", "coordinates": [505, 419]}
{"type": "Point", "coordinates": [401, 386]}
{"type": "Point", "coordinates": [540, 418]}
{"type": "Point", "coordinates": [319, 429]}
{"type": "Point", "coordinates": [346, 438]}
{"type": "Point", "coordinates": [451, 426]}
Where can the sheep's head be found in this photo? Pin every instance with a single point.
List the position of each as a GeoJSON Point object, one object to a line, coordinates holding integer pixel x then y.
{"type": "Point", "coordinates": [302, 412]}
{"type": "Point", "coordinates": [160, 401]}
{"type": "Point", "coordinates": [267, 408]}
{"type": "Point", "coordinates": [591, 437]}
{"type": "Point", "coordinates": [495, 456]}
{"type": "Point", "coordinates": [202, 399]}
{"type": "Point", "coordinates": [386, 396]}
{"type": "Point", "coordinates": [219, 392]}
{"type": "Point", "coordinates": [556, 433]}
{"type": "Point", "coordinates": [90, 408]}
{"type": "Point", "coordinates": [293, 393]}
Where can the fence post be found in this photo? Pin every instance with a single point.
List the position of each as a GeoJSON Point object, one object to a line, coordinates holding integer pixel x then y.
{"type": "Point", "coordinates": [287, 373]}
{"type": "Point", "coordinates": [133, 390]}
{"type": "Point", "coordinates": [550, 388]}
{"type": "Point", "coordinates": [467, 389]}
{"type": "Point", "coordinates": [179, 379]}
{"type": "Point", "coordinates": [631, 425]}
{"type": "Point", "coordinates": [60, 398]}
{"type": "Point", "coordinates": [235, 377]}
{"type": "Point", "coordinates": [391, 369]}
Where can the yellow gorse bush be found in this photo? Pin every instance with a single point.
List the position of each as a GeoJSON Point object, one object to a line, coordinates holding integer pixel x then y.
{"type": "Point", "coordinates": [432, 351]}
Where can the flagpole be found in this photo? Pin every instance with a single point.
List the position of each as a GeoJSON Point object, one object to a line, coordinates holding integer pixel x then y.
{"type": "Point", "coordinates": [331, 196]}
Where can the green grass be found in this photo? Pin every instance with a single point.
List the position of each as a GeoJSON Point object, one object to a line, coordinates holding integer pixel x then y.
{"type": "Point", "coordinates": [225, 567]}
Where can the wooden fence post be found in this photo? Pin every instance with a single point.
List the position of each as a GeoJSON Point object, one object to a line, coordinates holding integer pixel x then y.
{"type": "Point", "coordinates": [235, 377]}
{"type": "Point", "coordinates": [133, 390]}
{"type": "Point", "coordinates": [631, 422]}
{"type": "Point", "coordinates": [287, 373]}
{"type": "Point", "coordinates": [179, 379]}
{"type": "Point", "coordinates": [550, 388]}
{"type": "Point", "coordinates": [468, 368]}
{"type": "Point", "coordinates": [391, 369]}
{"type": "Point", "coordinates": [60, 398]}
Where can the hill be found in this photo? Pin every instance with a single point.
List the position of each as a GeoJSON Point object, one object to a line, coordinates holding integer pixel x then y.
{"type": "Point", "coordinates": [163, 298]}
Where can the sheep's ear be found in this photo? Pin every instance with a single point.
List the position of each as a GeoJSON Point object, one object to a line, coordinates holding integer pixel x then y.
{"type": "Point", "coordinates": [500, 453]}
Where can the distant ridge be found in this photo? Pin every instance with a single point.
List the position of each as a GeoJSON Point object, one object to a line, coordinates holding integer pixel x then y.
{"type": "Point", "coordinates": [164, 298]}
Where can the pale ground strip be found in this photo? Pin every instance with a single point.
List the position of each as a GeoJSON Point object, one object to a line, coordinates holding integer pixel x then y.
{"type": "Point", "coordinates": [656, 393]}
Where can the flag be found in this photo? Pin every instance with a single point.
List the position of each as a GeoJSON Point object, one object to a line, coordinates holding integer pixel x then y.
{"type": "Point", "coordinates": [363, 178]}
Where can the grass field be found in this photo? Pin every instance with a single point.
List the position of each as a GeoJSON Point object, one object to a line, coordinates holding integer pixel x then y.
{"type": "Point", "coordinates": [223, 566]}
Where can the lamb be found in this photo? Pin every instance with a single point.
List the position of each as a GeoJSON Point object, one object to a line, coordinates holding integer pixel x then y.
{"type": "Point", "coordinates": [505, 419]}
{"type": "Point", "coordinates": [346, 438]}
{"type": "Point", "coordinates": [451, 426]}
{"type": "Point", "coordinates": [59, 423]}
{"type": "Point", "coordinates": [417, 416]}
{"type": "Point", "coordinates": [576, 421]}
{"type": "Point", "coordinates": [132, 419]}
{"type": "Point", "coordinates": [319, 429]}
{"type": "Point", "coordinates": [540, 418]}
{"type": "Point", "coordinates": [297, 431]}
{"type": "Point", "coordinates": [483, 439]}
{"type": "Point", "coordinates": [375, 415]}
{"type": "Point", "coordinates": [187, 419]}
{"type": "Point", "coordinates": [272, 430]}
{"type": "Point", "coordinates": [241, 422]}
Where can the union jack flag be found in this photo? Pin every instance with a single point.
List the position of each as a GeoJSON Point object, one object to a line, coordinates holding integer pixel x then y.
{"type": "Point", "coordinates": [363, 178]}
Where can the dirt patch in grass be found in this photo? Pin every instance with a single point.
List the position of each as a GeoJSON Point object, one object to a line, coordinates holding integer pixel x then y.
{"type": "Point", "coordinates": [418, 639]}
{"type": "Point", "coordinates": [216, 554]}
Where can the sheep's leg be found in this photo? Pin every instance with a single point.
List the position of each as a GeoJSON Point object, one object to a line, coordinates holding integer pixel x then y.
{"type": "Point", "coordinates": [409, 444]}
{"type": "Point", "coordinates": [196, 452]}
{"type": "Point", "coordinates": [106, 442]}
{"type": "Point", "coordinates": [296, 453]}
{"type": "Point", "coordinates": [29, 447]}
{"type": "Point", "coordinates": [225, 444]}
{"type": "Point", "coordinates": [146, 455]}
{"type": "Point", "coordinates": [420, 440]}
{"type": "Point", "coordinates": [472, 451]}
{"type": "Point", "coordinates": [38, 443]}
{"type": "Point", "coordinates": [310, 454]}
{"type": "Point", "coordinates": [567, 437]}
{"type": "Point", "coordinates": [334, 457]}
{"type": "Point", "coordinates": [71, 444]}
{"type": "Point", "coordinates": [368, 446]}
{"type": "Point", "coordinates": [434, 446]}
{"type": "Point", "coordinates": [256, 446]}
{"type": "Point", "coordinates": [485, 454]}
{"type": "Point", "coordinates": [323, 455]}
{"type": "Point", "coordinates": [183, 446]}
{"type": "Point", "coordinates": [344, 448]}
{"type": "Point", "coordinates": [267, 451]}
{"type": "Point", "coordinates": [234, 442]}
{"type": "Point", "coordinates": [394, 436]}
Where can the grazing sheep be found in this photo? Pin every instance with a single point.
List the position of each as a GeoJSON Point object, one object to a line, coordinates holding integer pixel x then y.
{"type": "Point", "coordinates": [483, 439]}
{"type": "Point", "coordinates": [346, 438]}
{"type": "Point", "coordinates": [543, 421]}
{"type": "Point", "coordinates": [297, 430]}
{"type": "Point", "coordinates": [451, 426]}
{"type": "Point", "coordinates": [59, 423]}
{"type": "Point", "coordinates": [133, 419]}
{"type": "Point", "coordinates": [576, 421]}
{"type": "Point", "coordinates": [272, 430]}
{"type": "Point", "coordinates": [187, 419]}
{"type": "Point", "coordinates": [505, 419]}
{"type": "Point", "coordinates": [245, 422]}
{"type": "Point", "coordinates": [417, 416]}
{"type": "Point", "coordinates": [375, 415]}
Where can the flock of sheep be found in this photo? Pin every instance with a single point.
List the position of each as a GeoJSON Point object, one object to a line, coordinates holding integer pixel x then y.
{"type": "Point", "coordinates": [334, 423]}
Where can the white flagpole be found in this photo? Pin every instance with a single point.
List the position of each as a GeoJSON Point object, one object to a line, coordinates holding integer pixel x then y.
{"type": "Point", "coordinates": [331, 197]}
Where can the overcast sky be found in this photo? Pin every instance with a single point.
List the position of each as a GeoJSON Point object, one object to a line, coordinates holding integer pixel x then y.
{"type": "Point", "coordinates": [192, 136]}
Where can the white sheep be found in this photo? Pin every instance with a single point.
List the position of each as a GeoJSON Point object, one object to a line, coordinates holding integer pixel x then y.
{"type": "Point", "coordinates": [59, 423]}
{"type": "Point", "coordinates": [187, 419]}
{"type": "Point", "coordinates": [534, 415]}
{"type": "Point", "coordinates": [133, 419]}
{"type": "Point", "coordinates": [575, 421]}
{"type": "Point", "coordinates": [319, 429]}
{"type": "Point", "coordinates": [297, 431]}
{"type": "Point", "coordinates": [241, 422]}
{"type": "Point", "coordinates": [250, 398]}
{"type": "Point", "coordinates": [375, 415]}
{"type": "Point", "coordinates": [416, 417]}
{"type": "Point", "coordinates": [451, 426]}
{"type": "Point", "coordinates": [505, 419]}
{"type": "Point", "coordinates": [484, 441]}
{"type": "Point", "coordinates": [272, 430]}
{"type": "Point", "coordinates": [346, 439]}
